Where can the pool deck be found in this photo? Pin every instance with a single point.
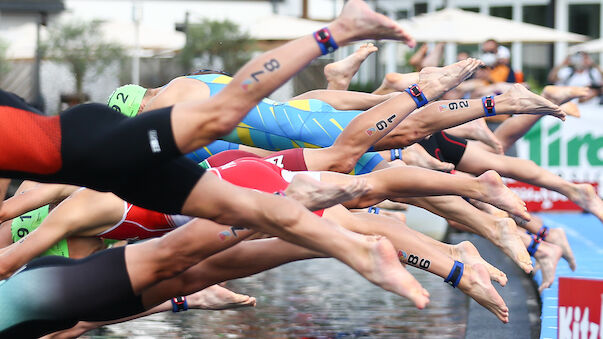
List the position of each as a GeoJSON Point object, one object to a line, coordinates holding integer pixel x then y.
{"type": "Point", "coordinates": [585, 235]}
{"type": "Point", "coordinates": [519, 295]}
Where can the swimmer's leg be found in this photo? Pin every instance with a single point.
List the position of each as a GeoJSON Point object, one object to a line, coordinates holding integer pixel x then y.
{"type": "Point", "coordinates": [220, 114]}
{"type": "Point", "coordinates": [408, 181]}
{"type": "Point", "coordinates": [340, 73]}
{"type": "Point", "coordinates": [373, 258]}
{"type": "Point", "coordinates": [476, 161]}
{"type": "Point", "coordinates": [434, 57]}
{"type": "Point", "coordinates": [211, 298]}
{"type": "Point", "coordinates": [444, 114]}
{"type": "Point", "coordinates": [500, 231]}
{"type": "Point", "coordinates": [396, 82]}
{"type": "Point", "coordinates": [345, 100]}
{"type": "Point", "coordinates": [416, 60]}
{"type": "Point", "coordinates": [547, 257]}
{"type": "Point", "coordinates": [413, 251]}
{"type": "Point", "coordinates": [369, 127]}
{"type": "Point", "coordinates": [517, 126]}
{"type": "Point", "coordinates": [477, 130]}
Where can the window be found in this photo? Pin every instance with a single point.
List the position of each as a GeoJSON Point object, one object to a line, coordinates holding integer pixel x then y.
{"type": "Point", "coordinates": [538, 15]}
{"type": "Point", "coordinates": [584, 19]}
{"type": "Point", "coordinates": [502, 12]}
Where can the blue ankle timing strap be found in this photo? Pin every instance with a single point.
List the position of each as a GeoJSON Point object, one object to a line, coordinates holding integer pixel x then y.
{"type": "Point", "coordinates": [454, 277]}
{"type": "Point", "coordinates": [488, 103]}
{"type": "Point", "coordinates": [543, 232]}
{"type": "Point", "coordinates": [374, 210]}
{"type": "Point", "coordinates": [417, 95]}
{"type": "Point", "coordinates": [533, 247]}
{"type": "Point", "coordinates": [325, 41]}
{"type": "Point", "coordinates": [179, 304]}
{"type": "Point", "coordinates": [395, 153]}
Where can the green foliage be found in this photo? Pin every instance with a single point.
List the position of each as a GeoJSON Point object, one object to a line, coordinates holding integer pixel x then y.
{"type": "Point", "coordinates": [216, 39]}
{"type": "Point", "coordinates": [80, 45]}
{"type": "Point", "coordinates": [366, 87]}
{"type": "Point", "coordinates": [4, 65]}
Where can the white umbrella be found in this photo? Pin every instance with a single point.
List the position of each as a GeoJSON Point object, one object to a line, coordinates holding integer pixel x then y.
{"type": "Point", "coordinates": [455, 25]}
{"type": "Point", "coordinates": [282, 27]}
{"type": "Point", "coordinates": [593, 46]}
{"type": "Point", "coordinates": [153, 40]}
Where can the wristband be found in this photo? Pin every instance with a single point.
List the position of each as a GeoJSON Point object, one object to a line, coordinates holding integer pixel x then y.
{"type": "Point", "coordinates": [325, 41]}
{"type": "Point", "coordinates": [179, 304]}
{"type": "Point", "coordinates": [417, 95]}
{"type": "Point", "coordinates": [374, 210]}
{"type": "Point", "coordinates": [488, 103]}
{"type": "Point", "coordinates": [396, 153]}
{"type": "Point", "coordinates": [454, 277]}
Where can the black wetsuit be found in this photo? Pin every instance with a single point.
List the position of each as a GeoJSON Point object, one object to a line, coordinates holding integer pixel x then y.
{"type": "Point", "coordinates": [445, 147]}
{"type": "Point", "coordinates": [54, 293]}
{"type": "Point", "coordinates": [94, 146]}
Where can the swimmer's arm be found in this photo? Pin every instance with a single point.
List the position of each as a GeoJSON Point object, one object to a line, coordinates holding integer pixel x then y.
{"type": "Point", "coordinates": [5, 235]}
{"type": "Point", "coordinates": [80, 215]}
{"type": "Point", "coordinates": [346, 100]}
{"type": "Point", "coordinates": [3, 188]}
{"type": "Point", "coordinates": [38, 196]}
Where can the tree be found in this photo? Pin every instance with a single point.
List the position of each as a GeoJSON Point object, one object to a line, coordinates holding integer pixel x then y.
{"type": "Point", "coordinates": [80, 45]}
{"type": "Point", "coordinates": [216, 39]}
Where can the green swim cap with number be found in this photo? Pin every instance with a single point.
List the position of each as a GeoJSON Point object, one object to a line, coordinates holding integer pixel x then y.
{"type": "Point", "coordinates": [127, 99]}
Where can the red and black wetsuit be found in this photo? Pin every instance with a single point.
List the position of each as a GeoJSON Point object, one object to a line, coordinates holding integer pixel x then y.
{"type": "Point", "coordinates": [94, 146]}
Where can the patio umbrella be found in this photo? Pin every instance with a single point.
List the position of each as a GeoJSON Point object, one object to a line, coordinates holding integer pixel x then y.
{"type": "Point", "coordinates": [593, 46]}
{"type": "Point", "coordinates": [455, 25]}
{"type": "Point", "coordinates": [282, 27]}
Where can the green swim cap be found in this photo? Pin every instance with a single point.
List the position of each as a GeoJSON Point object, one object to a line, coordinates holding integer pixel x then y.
{"type": "Point", "coordinates": [127, 99]}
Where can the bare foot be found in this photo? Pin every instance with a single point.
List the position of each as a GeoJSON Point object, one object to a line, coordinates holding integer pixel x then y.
{"type": "Point", "coordinates": [571, 109]}
{"type": "Point", "coordinates": [316, 195]}
{"type": "Point", "coordinates": [219, 298]}
{"type": "Point", "coordinates": [466, 253]}
{"type": "Point", "coordinates": [392, 205]}
{"type": "Point", "coordinates": [340, 73]}
{"type": "Point", "coordinates": [496, 193]}
{"type": "Point", "coordinates": [360, 22]}
{"type": "Point", "coordinates": [547, 256]}
{"type": "Point", "coordinates": [399, 216]}
{"type": "Point", "coordinates": [497, 212]}
{"type": "Point", "coordinates": [562, 94]}
{"type": "Point", "coordinates": [384, 270]}
{"type": "Point", "coordinates": [433, 58]}
{"type": "Point", "coordinates": [417, 58]}
{"type": "Point", "coordinates": [506, 238]}
{"type": "Point", "coordinates": [584, 195]}
{"type": "Point", "coordinates": [396, 82]}
{"type": "Point", "coordinates": [435, 81]}
{"type": "Point", "coordinates": [519, 100]}
{"type": "Point", "coordinates": [415, 155]}
{"type": "Point", "coordinates": [557, 236]}
{"type": "Point", "coordinates": [476, 284]}
{"type": "Point", "coordinates": [477, 130]}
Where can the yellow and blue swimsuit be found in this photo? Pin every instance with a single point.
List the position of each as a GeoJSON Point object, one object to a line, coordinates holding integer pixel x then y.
{"type": "Point", "coordinates": [275, 126]}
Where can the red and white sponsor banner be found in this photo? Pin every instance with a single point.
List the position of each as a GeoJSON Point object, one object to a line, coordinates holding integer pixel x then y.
{"type": "Point", "coordinates": [540, 199]}
{"type": "Point", "coordinates": [580, 314]}
{"type": "Point", "coordinates": [572, 149]}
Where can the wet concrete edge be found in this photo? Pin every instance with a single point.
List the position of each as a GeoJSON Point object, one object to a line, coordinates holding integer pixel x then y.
{"type": "Point", "coordinates": [520, 294]}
